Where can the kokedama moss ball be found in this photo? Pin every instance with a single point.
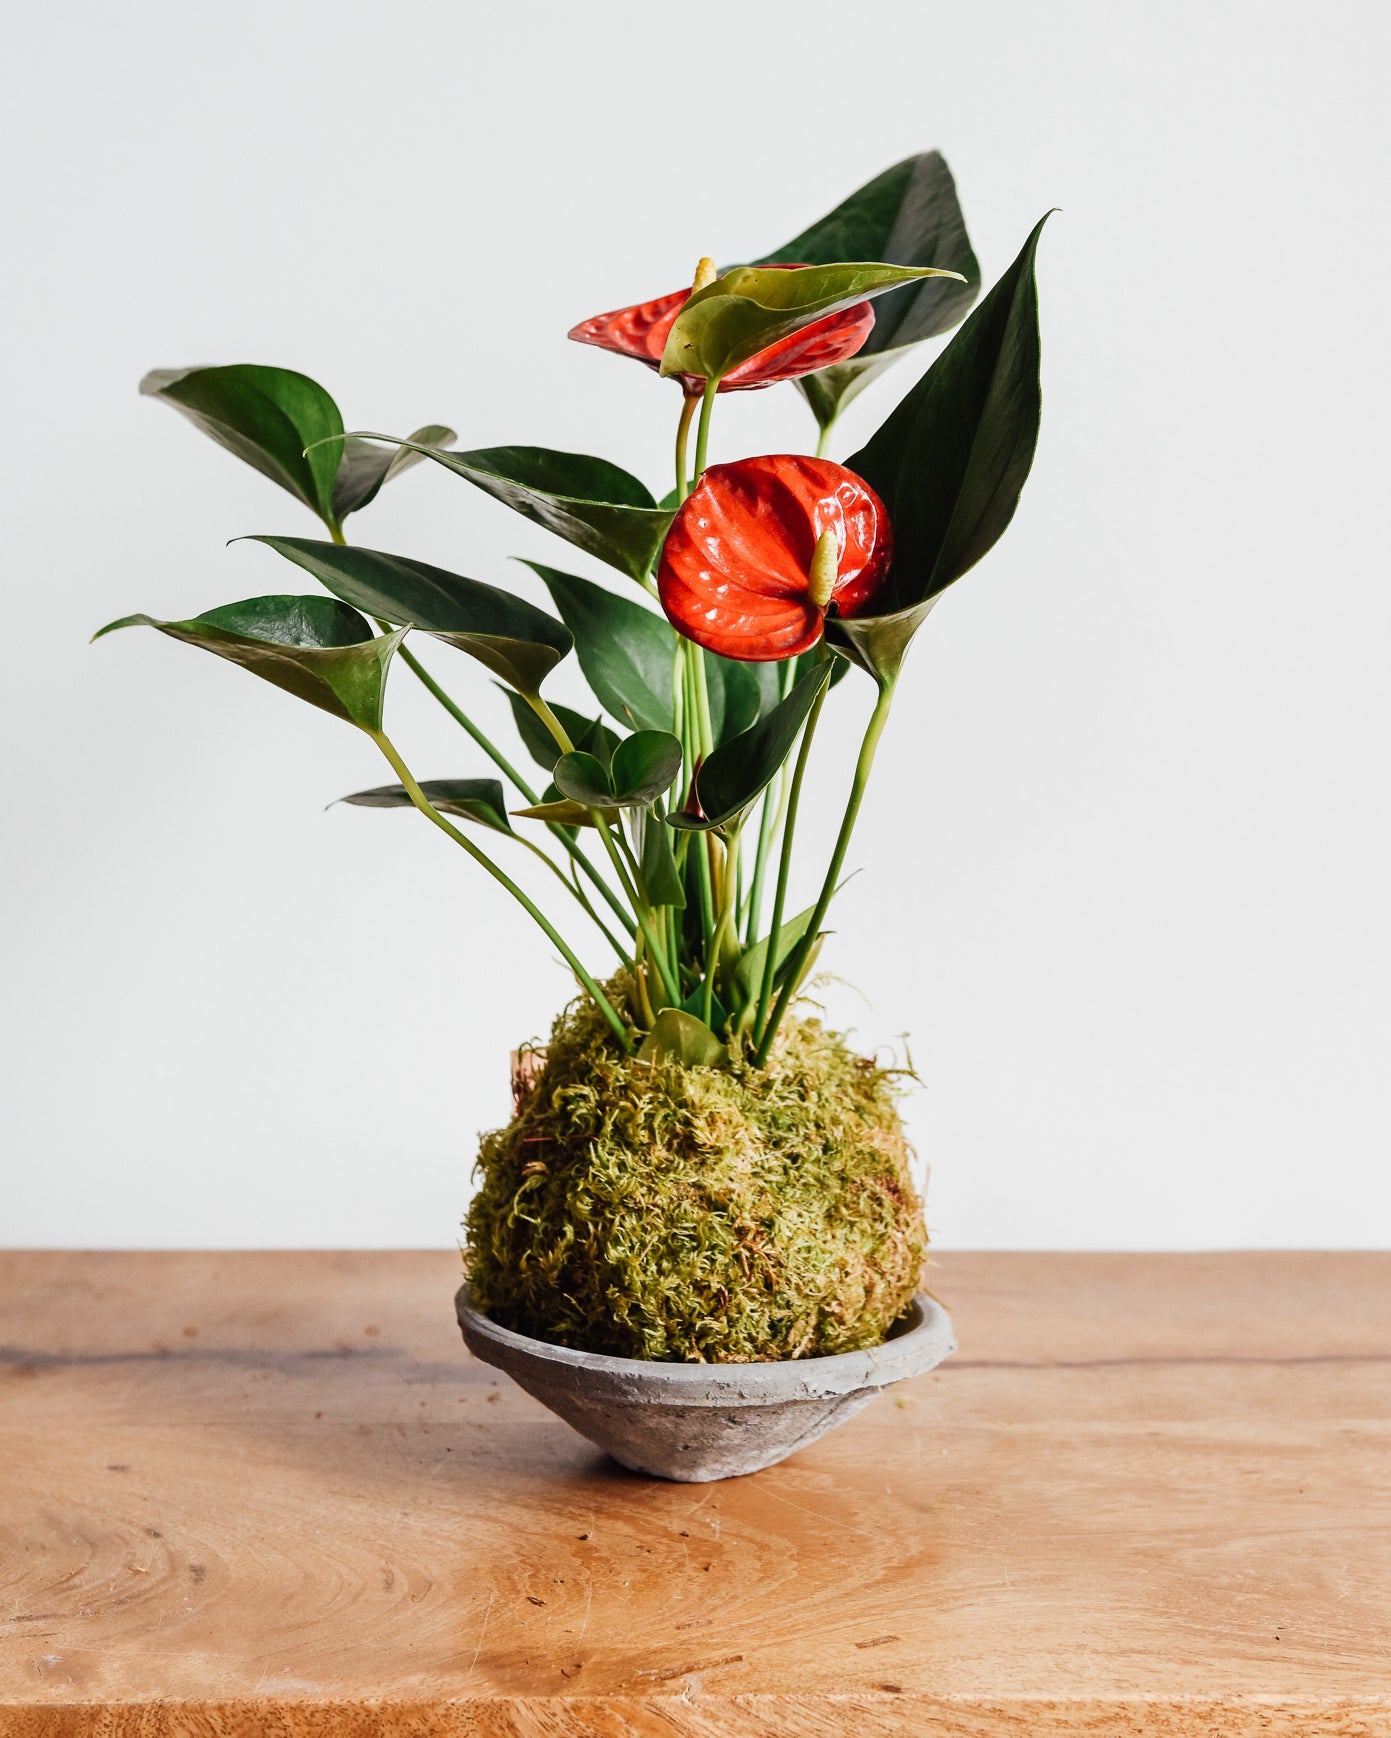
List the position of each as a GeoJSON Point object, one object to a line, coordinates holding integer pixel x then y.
{"type": "Point", "coordinates": [698, 1214]}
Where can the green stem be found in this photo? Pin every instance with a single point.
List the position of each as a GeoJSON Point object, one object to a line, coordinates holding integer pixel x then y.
{"type": "Point", "coordinates": [707, 404]}
{"type": "Point", "coordinates": [423, 803]}
{"type": "Point", "coordinates": [505, 767]}
{"type": "Point", "coordinates": [689, 401]}
{"type": "Point", "coordinates": [794, 795]}
{"type": "Point", "coordinates": [573, 887]}
{"type": "Point", "coordinates": [773, 807]}
{"type": "Point", "coordinates": [631, 882]}
{"type": "Point", "coordinates": [823, 439]}
{"type": "Point", "coordinates": [797, 964]}
{"type": "Point", "coordinates": [727, 905]}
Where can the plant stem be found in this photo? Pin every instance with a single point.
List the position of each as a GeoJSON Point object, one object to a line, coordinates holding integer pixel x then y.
{"type": "Point", "coordinates": [689, 401]}
{"type": "Point", "coordinates": [773, 807]}
{"type": "Point", "coordinates": [873, 732]}
{"type": "Point", "coordinates": [727, 904]}
{"type": "Point", "coordinates": [423, 803]}
{"type": "Point", "coordinates": [573, 887]}
{"type": "Point", "coordinates": [770, 963]}
{"type": "Point", "coordinates": [707, 404]}
{"type": "Point", "coordinates": [823, 439]}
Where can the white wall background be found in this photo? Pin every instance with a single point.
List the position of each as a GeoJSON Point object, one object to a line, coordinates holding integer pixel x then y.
{"type": "Point", "coordinates": [1127, 860]}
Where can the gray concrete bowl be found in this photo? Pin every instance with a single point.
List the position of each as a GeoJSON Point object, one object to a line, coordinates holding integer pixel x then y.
{"type": "Point", "coordinates": [697, 1422]}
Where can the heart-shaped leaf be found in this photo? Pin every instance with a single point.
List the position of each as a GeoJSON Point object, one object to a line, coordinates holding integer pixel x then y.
{"type": "Point", "coordinates": [475, 799]}
{"type": "Point", "coordinates": [951, 461]}
{"type": "Point", "coordinates": [590, 734]}
{"type": "Point", "coordinates": [364, 468]}
{"type": "Point", "coordinates": [514, 639]}
{"type": "Point", "coordinates": [589, 502]}
{"type": "Point", "coordinates": [644, 768]}
{"type": "Point", "coordinates": [313, 647]}
{"type": "Point", "coordinates": [289, 429]}
{"type": "Point", "coordinates": [737, 773]}
{"type": "Point", "coordinates": [680, 1038]}
{"type": "Point", "coordinates": [753, 307]}
{"type": "Point", "coordinates": [627, 652]}
{"type": "Point", "coordinates": [908, 215]}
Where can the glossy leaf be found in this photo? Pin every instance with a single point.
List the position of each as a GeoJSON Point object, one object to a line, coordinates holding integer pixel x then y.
{"type": "Point", "coordinates": [365, 468]}
{"type": "Point", "coordinates": [313, 647]}
{"type": "Point", "coordinates": [514, 639]}
{"type": "Point", "coordinates": [591, 503]}
{"type": "Point", "coordinates": [680, 1038]}
{"type": "Point", "coordinates": [284, 425]}
{"type": "Point", "coordinates": [910, 216]}
{"type": "Point", "coordinates": [738, 695]}
{"type": "Point", "coordinates": [643, 769]}
{"type": "Point", "coordinates": [561, 811]}
{"type": "Point", "coordinates": [267, 417]}
{"type": "Point", "coordinates": [626, 651]}
{"type": "Point", "coordinates": [474, 799]}
{"type": "Point", "coordinates": [735, 775]}
{"type": "Point", "coordinates": [660, 875]}
{"type": "Point", "coordinates": [754, 307]}
{"type": "Point", "coordinates": [590, 734]}
{"type": "Point", "coordinates": [951, 461]}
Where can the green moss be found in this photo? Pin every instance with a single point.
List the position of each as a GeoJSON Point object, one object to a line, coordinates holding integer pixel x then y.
{"type": "Point", "coordinates": [698, 1214]}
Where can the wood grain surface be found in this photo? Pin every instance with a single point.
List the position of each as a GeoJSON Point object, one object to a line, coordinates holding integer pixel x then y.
{"type": "Point", "coordinates": [270, 1494]}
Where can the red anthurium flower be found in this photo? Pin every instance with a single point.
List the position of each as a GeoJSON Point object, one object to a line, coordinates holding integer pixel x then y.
{"type": "Point", "coordinates": [641, 332]}
{"type": "Point", "coordinates": [761, 549]}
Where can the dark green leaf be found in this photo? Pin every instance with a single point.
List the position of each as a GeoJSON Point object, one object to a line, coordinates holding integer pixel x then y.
{"type": "Point", "coordinates": [751, 307]}
{"type": "Point", "coordinates": [909, 215]}
{"type": "Point", "coordinates": [365, 468]}
{"type": "Point", "coordinates": [735, 774]}
{"type": "Point", "coordinates": [660, 876]}
{"type": "Point", "coordinates": [738, 694]}
{"type": "Point", "coordinates": [950, 462]}
{"type": "Point", "coordinates": [313, 647]}
{"type": "Point", "coordinates": [597, 506]}
{"type": "Point", "coordinates": [695, 1004]}
{"type": "Point", "coordinates": [645, 766]}
{"type": "Point", "coordinates": [584, 780]}
{"type": "Point", "coordinates": [517, 641]}
{"type": "Point", "coordinates": [590, 734]}
{"type": "Point", "coordinates": [876, 643]}
{"type": "Point", "coordinates": [475, 799]}
{"type": "Point", "coordinates": [627, 652]}
{"type": "Point", "coordinates": [678, 1037]}
{"type": "Point", "coordinates": [266, 416]}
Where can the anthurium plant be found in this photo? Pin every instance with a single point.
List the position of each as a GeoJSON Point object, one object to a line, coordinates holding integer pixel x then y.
{"type": "Point", "coordinates": [666, 810]}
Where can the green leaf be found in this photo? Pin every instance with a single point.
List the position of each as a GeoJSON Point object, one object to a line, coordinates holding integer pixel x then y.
{"type": "Point", "coordinates": [475, 799]}
{"type": "Point", "coordinates": [589, 502]}
{"type": "Point", "coordinates": [590, 734]}
{"type": "Point", "coordinates": [660, 876]}
{"type": "Point", "coordinates": [695, 1004]}
{"type": "Point", "coordinates": [644, 768]}
{"type": "Point", "coordinates": [287, 427]}
{"type": "Point", "coordinates": [266, 416]}
{"type": "Point", "coordinates": [738, 694]}
{"type": "Point", "coordinates": [735, 775]}
{"type": "Point", "coordinates": [680, 1038]}
{"type": "Point", "coordinates": [951, 461]}
{"type": "Point", "coordinates": [365, 468]}
{"type": "Point", "coordinates": [908, 215]}
{"type": "Point", "coordinates": [748, 974]}
{"type": "Point", "coordinates": [627, 652]}
{"type": "Point", "coordinates": [514, 639]}
{"type": "Point", "coordinates": [751, 307]}
{"type": "Point", "coordinates": [565, 812]}
{"type": "Point", "coordinates": [313, 647]}
{"type": "Point", "coordinates": [878, 644]}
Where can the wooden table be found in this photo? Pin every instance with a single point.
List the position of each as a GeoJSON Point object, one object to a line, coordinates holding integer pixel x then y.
{"type": "Point", "coordinates": [270, 1494]}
